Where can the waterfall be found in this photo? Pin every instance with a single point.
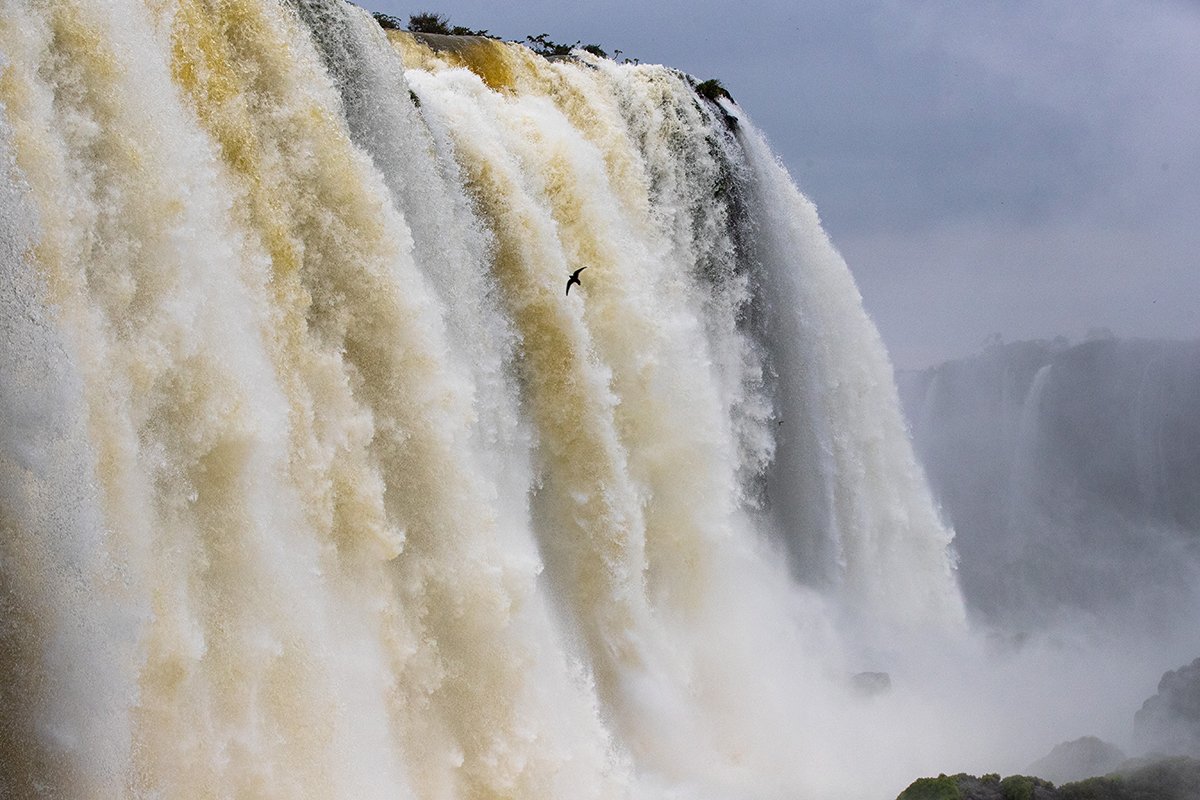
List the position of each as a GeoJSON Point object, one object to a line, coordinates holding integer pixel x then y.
{"type": "Point", "coordinates": [313, 481]}
{"type": "Point", "coordinates": [1022, 489]}
{"type": "Point", "coordinates": [1070, 473]}
{"type": "Point", "coordinates": [848, 487]}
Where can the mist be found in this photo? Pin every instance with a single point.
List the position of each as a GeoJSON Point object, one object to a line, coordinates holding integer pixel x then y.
{"type": "Point", "coordinates": [1069, 475]}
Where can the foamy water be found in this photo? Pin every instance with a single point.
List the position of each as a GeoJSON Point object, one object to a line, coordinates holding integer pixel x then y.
{"type": "Point", "coordinates": [314, 483]}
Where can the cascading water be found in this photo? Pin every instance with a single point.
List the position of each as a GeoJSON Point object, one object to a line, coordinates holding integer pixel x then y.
{"type": "Point", "coordinates": [313, 483]}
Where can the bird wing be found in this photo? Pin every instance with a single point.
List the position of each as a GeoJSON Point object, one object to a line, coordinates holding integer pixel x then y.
{"type": "Point", "coordinates": [574, 278]}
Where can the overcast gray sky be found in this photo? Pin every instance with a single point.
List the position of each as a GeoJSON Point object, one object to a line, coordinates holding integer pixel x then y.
{"type": "Point", "coordinates": [1024, 168]}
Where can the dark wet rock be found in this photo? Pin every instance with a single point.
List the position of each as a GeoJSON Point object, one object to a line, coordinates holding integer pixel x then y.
{"type": "Point", "coordinates": [1169, 722]}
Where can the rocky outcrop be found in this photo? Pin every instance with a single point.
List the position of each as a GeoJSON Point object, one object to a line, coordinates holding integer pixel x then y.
{"type": "Point", "coordinates": [1167, 779]}
{"type": "Point", "coordinates": [1169, 722]}
{"type": "Point", "coordinates": [1082, 758]}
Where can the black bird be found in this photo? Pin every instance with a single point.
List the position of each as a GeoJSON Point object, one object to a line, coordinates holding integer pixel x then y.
{"type": "Point", "coordinates": [574, 279]}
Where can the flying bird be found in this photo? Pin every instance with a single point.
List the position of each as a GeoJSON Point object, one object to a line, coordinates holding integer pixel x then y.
{"type": "Point", "coordinates": [574, 279]}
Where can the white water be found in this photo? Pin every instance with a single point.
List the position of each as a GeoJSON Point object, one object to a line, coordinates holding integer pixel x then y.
{"type": "Point", "coordinates": [313, 483]}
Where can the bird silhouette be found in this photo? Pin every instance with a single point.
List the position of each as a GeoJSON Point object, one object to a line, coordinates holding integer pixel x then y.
{"type": "Point", "coordinates": [574, 279]}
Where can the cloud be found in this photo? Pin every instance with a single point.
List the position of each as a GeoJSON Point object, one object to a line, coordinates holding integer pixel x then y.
{"type": "Point", "coordinates": [939, 293]}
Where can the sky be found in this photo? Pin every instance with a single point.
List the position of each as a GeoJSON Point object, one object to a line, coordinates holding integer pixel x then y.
{"type": "Point", "coordinates": [1011, 168]}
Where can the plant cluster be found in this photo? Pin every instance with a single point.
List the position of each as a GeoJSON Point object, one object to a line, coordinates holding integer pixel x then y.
{"type": "Point", "coordinates": [432, 22]}
{"type": "Point", "coordinates": [429, 22]}
{"type": "Point", "coordinates": [388, 21]}
{"type": "Point", "coordinates": [712, 89]}
{"type": "Point", "coordinates": [1173, 778]}
{"type": "Point", "coordinates": [543, 46]}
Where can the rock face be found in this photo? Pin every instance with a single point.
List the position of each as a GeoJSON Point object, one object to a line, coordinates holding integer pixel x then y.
{"type": "Point", "coordinates": [1074, 761]}
{"type": "Point", "coordinates": [1169, 722]}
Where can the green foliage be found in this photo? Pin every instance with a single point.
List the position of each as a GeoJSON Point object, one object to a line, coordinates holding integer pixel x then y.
{"type": "Point", "coordinates": [545, 47]}
{"type": "Point", "coordinates": [388, 21]}
{"type": "Point", "coordinates": [1166, 779]}
{"type": "Point", "coordinates": [943, 787]}
{"type": "Point", "coordinates": [1106, 788]}
{"type": "Point", "coordinates": [432, 22]}
{"type": "Point", "coordinates": [429, 22]}
{"type": "Point", "coordinates": [1174, 778]}
{"type": "Point", "coordinates": [1171, 777]}
{"type": "Point", "coordinates": [1021, 787]}
{"type": "Point", "coordinates": [459, 30]}
{"type": "Point", "coordinates": [711, 89]}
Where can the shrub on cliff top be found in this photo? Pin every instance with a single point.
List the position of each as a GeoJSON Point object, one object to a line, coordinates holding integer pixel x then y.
{"type": "Point", "coordinates": [388, 21]}
{"type": "Point", "coordinates": [543, 46]}
{"type": "Point", "coordinates": [428, 22]}
{"type": "Point", "coordinates": [711, 89]}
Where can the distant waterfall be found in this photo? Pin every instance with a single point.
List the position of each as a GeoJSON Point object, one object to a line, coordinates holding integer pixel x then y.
{"type": "Point", "coordinates": [313, 482]}
{"type": "Point", "coordinates": [1072, 475]}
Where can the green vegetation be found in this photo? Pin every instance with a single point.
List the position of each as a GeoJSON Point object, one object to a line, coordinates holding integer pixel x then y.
{"type": "Point", "coordinates": [1167, 779]}
{"type": "Point", "coordinates": [1024, 787]}
{"type": "Point", "coordinates": [1106, 788]}
{"type": "Point", "coordinates": [427, 22]}
{"type": "Point", "coordinates": [543, 46]}
{"type": "Point", "coordinates": [388, 21]}
{"type": "Point", "coordinates": [986, 787]}
{"type": "Point", "coordinates": [943, 787]}
{"type": "Point", "coordinates": [711, 89]}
